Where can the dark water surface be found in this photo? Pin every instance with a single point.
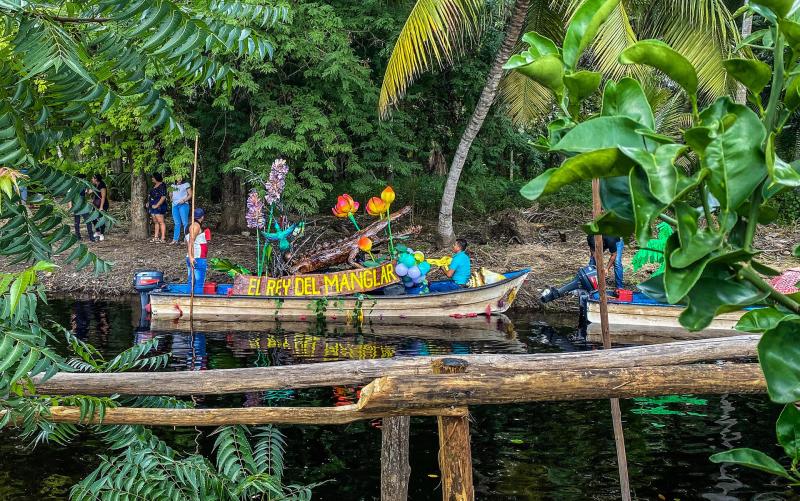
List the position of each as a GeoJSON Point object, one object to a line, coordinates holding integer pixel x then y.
{"type": "Point", "coordinates": [561, 450]}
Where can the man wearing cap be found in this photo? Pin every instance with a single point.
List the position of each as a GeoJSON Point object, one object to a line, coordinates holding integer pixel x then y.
{"type": "Point", "coordinates": [195, 240]}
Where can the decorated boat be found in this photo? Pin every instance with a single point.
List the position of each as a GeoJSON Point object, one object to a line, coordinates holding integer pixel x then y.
{"type": "Point", "coordinates": [305, 297]}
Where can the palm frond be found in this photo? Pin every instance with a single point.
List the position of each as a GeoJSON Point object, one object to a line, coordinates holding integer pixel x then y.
{"type": "Point", "coordinates": [526, 101]}
{"type": "Point", "coordinates": [702, 30]}
{"type": "Point", "coordinates": [435, 31]}
{"type": "Point", "coordinates": [615, 35]}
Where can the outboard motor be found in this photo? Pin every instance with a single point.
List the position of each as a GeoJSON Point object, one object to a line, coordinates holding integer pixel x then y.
{"type": "Point", "coordinates": [585, 280]}
{"type": "Point", "coordinates": [146, 281]}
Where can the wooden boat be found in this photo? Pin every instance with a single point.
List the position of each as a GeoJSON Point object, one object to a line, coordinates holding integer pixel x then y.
{"type": "Point", "coordinates": [643, 313]}
{"type": "Point", "coordinates": [485, 300]}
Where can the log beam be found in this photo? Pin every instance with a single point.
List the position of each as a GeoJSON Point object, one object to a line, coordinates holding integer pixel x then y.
{"type": "Point", "coordinates": [361, 372]}
{"type": "Point", "coordinates": [461, 390]}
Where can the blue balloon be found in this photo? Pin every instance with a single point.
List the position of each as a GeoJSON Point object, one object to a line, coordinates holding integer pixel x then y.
{"type": "Point", "coordinates": [401, 269]}
{"type": "Point", "coordinates": [414, 272]}
{"type": "Point", "coordinates": [424, 267]}
{"type": "Point", "coordinates": [407, 259]}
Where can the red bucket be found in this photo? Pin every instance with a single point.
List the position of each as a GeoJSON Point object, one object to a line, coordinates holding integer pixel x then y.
{"type": "Point", "coordinates": [210, 288]}
{"type": "Point", "coordinates": [624, 295]}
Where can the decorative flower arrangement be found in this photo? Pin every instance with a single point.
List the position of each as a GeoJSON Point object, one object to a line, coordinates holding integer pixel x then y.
{"type": "Point", "coordinates": [346, 207]}
{"type": "Point", "coordinates": [277, 181]}
{"type": "Point", "coordinates": [255, 211]}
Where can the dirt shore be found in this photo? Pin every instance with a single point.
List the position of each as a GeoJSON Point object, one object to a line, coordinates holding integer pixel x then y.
{"type": "Point", "coordinates": [549, 243]}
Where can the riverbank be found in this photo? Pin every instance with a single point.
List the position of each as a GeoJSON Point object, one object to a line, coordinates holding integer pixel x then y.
{"type": "Point", "coordinates": [550, 243]}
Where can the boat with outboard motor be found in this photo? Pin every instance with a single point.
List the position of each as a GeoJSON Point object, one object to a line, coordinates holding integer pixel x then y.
{"type": "Point", "coordinates": [172, 302]}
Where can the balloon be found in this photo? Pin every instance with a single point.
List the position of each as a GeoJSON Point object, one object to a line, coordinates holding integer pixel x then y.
{"type": "Point", "coordinates": [419, 279]}
{"type": "Point", "coordinates": [408, 260]}
{"type": "Point", "coordinates": [424, 267]}
{"type": "Point", "coordinates": [414, 272]}
{"type": "Point", "coordinates": [419, 257]}
{"type": "Point", "coordinates": [407, 282]}
{"type": "Point", "coordinates": [401, 269]}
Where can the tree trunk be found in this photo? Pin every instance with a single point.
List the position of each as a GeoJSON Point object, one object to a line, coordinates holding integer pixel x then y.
{"type": "Point", "coordinates": [747, 28]}
{"type": "Point", "coordinates": [140, 227]}
{"type": "Point", "coordinates": [513, 29]}
{"type": "Point", "coordinates": [233, 206]}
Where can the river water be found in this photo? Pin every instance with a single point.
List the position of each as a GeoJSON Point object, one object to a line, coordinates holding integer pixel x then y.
{"type": "Point", "coordinates": [557, 451]}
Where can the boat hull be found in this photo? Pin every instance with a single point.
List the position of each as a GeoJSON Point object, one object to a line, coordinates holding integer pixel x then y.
{"type": "Point", "coordinates": [491, 299]}
{"type": "Point", "coordinates": [631, 317]}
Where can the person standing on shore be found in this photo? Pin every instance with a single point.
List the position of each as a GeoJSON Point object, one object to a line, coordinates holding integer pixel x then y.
{"type": "Point", "coordinates": [195, 240]}
{"type": "Point", "coordinates": [157, 207]}
{"type": "Point", "coordinates": [89, 230]}
{"type": "Point", "coordinates": [181, 195]}
{"type": "Point", "coordinates": [100, 201]}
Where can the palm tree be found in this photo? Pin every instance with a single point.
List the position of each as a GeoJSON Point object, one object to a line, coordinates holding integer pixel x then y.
{"type": "Point", "coordinates": [438, 30]}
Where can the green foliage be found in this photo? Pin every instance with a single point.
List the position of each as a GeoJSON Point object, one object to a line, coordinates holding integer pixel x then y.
{"type": "Point", "coordinates": [150, 469]}
{"type": "Point", "coordinates": [228, 267]}
{"type": "Point", "coordinates": [653, 250]}
{"type": "Point", "coordinates": [710, 264]}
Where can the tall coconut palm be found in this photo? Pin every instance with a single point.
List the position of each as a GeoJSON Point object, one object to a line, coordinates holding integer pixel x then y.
{"type": "Point", "coordinates": [439, 30]}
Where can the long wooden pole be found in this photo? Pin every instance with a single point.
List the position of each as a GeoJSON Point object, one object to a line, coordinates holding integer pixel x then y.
{"type": "Point", "coordinates": [361, 372]}
{"type": "Point", "coordinates": [449, 394]}
{"type": "Point", "coordinates": [191, 218]}
{"type": "Point", "coordinates": [616, 413]}
{"type": "Point", "coordinates": [395, 455]}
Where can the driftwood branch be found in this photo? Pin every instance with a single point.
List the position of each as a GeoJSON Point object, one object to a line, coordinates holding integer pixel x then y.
{"type": "Point", "coordinates": [364, 371]}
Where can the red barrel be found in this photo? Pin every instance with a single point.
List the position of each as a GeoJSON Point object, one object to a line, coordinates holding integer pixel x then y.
{"type": "Point", "coordinates": [624, 295]}
{"type": "Point", "coordinates": [210, 288]}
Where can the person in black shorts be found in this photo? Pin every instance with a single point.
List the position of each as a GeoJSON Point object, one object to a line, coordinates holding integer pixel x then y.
{"type": "Point", "coordinates": [614, 246]}
{"type": "Point", "coordinates": [157, 207]}
{"type": "Point", "coordinates": [100, 201]}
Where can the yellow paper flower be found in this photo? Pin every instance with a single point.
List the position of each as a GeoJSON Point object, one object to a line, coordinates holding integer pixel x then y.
{"type": "Point", "coordinates": [376, 207]}
{"type": "Point", "coordinates": [387, 195]}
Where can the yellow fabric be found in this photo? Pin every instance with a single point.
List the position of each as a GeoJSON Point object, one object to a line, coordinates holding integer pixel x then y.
{"type": "Point", "coordinates": [442, 261]}
{"type": "Point", "coordinates": [484, 277]}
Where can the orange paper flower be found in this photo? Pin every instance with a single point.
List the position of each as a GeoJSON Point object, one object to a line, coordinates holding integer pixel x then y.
{"type": "Point", "coordinates": [345, 206]}
{"type": "Point", "coordinates": [376, 207]}
{"type": "Point", "coordinates": [365, 244]}
{"type": "Point", "coordinates": [387, 195]}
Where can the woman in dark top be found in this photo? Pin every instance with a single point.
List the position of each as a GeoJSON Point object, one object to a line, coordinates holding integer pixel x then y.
{"type": "Point", "coordinates": [157, 207]}
{"type": "Point", "coordinates": [100, 201]}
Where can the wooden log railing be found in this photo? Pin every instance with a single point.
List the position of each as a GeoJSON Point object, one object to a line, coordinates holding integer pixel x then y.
{"type": "Point", "coordinates": [429, 386]}
{"type": "Point", "coordinates": [361, 372]}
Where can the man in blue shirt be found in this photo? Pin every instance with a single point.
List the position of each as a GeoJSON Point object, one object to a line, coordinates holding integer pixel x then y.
{"type": "Point", "coordinates": [458, 272]}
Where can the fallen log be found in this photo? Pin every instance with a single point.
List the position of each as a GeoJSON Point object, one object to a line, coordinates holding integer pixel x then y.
{"type": "Point", "coordinates": [247, 415]}
{"type": "Point", "coordinates": [446, 395]}
{"type": "Point", "coordinates": [429, 391]}
{"type": "Point", "coordinates": [361, 372]}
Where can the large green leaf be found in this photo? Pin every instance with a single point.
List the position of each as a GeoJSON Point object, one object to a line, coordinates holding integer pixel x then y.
{"type": "Point", "coordinates": [653, 288]}
{"type": "Point", "coordinates": [581, 85]}
{"type": "Point", "coordinates": [583, 27]}
{"type": "Point", "coordinates": [610, 223]}
{"type": "Point", "coordinates": [696, 242]}
{"type": "Point", "coordinates": [733, 136]}
{"type": "Point", "coordinates": [753, 74]}
{"type": "Point", "coordinates": [780, 172]}
{"type": "Point", "coordinates": [679, 281]}
{"type": "Point", "coordinates": [626, 98]}
{"type": "Point", "coordinates": [646, 207]}
{"type": "Point", "coordinates": [790, 30]}
{"type": "Point", "coordinates": [779, 356]}
{"type": "Point", "coordinates": [660, 168]}
{"type": "Point", "coordinates": [546, 70]}
{"type": "Point", "coordinates": [780, 7]}
{"type": "Point", "coordinates": [540, 45]}
{"type": "Point", "coordinates": [788, 431]}
{"type": "Point", "coordinates": [763, 319]}
{"type": "Point", "coordinates": [602, 132]}
{"type": "Point", "coordinates": [752, 459]}
{"type": "Point", "coordinates": [615, 196]}
{"type": "Point", "coordinates": [661, 56]}
{"type": "Point", "coordinates": [594, 164]}
{"type": "Point", "coordinates": [713, 296]}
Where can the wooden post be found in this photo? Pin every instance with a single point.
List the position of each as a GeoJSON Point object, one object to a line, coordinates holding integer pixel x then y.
{"type": "Point", "coordinates": [455, 455]}
{"type": "Point", "coordinates": [616, 414]}
{"type": "Point", "coordinates": [395, 467]}
{"type": "Point", "coordinates": [191, 222]}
